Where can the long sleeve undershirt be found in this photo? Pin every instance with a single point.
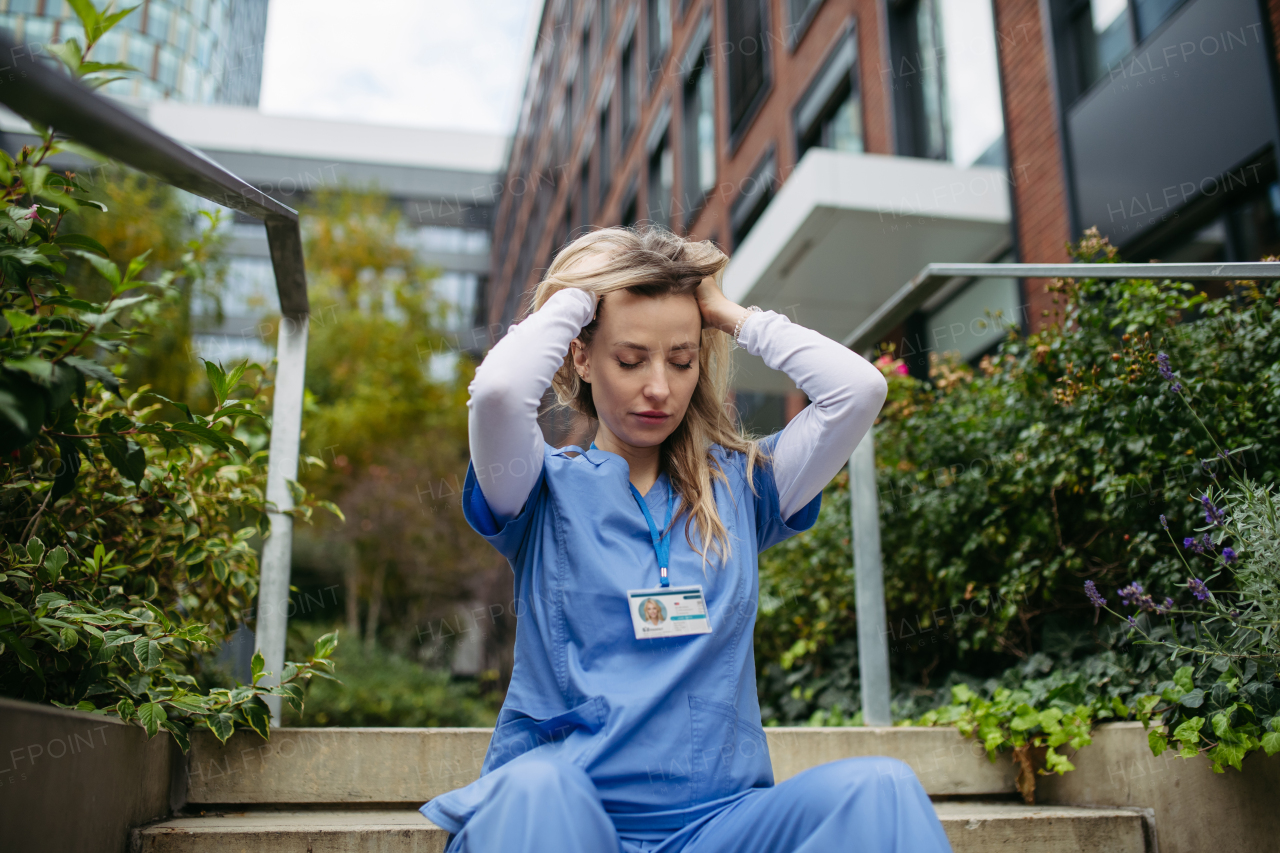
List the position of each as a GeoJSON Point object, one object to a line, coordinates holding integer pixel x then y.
{"type": "Point", "coordinates": [846, 392]}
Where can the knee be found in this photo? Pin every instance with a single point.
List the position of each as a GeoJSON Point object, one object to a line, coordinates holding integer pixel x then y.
{"type": "Point", "coordinates": [847, 778]}
{"type": "Point", "coordinates": [540, 776]}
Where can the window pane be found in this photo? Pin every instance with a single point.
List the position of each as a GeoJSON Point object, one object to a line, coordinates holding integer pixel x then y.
{"type": "Point", "coordinates": [706, 131]}
{"type": "Point", "coordinates": [748, 68]}
{"type": "Point", "coordinates": [1153, 13]}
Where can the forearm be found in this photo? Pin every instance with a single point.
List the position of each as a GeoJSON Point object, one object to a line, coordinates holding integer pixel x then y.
{"type": "Point", "coordinates": [846, 393]}
{"type": "Point", "coordinates": [502, 419]}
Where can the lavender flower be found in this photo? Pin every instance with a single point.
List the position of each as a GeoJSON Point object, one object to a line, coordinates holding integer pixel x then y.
{"type": "Point", "coordinates": [1164, 522]}
{"type": "Point", "coordinates": [1198, 588]}
{"type": "Point", "coordinates": [1091, 590]}
{"type": "Point", "coordinates": [1190, 544]}
{"type": "Point", "coordinates": [1130, 594]}
{"type": "Point", "coordinates": [1133, 623]}
{"type": "Point", "coordinates": [1177, 387]}
{"type": "Point", "coordinates": [1162, 609]}
{"type": "Point", "coordinates": [1228, 555]}
{"type": "Point", "coordinates": [1212, 515]}
{"type": "Point", "coordinates": [1165, 372]}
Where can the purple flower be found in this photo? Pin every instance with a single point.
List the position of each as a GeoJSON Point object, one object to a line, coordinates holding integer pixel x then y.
{"type": "Point", "coordinates": [1212, 515]}
{"type": "Point", "coordinates": [1164, 522]}
{"type": "Point", "coordinates": [1162, 609]}
{"type": "Point", "coordinates": [1130, 594]}
{"type": "Point", "coordinates": [1189, 543]}
{"type": "Point", "coordinates": [1165, 372]}
{"type": "Point", "coordinates": [1228, 555]}
{"type": "Point", "coordinates": [1133, 623]}
{"type": "Point", "coordinates": [1206, 544]}
{"type": "Point", "coordinates": [1091, 590]}
{"type": "Point", "coordinates": [1177, 387]}
{"type": "Point", "coordinates": [1198, 588]}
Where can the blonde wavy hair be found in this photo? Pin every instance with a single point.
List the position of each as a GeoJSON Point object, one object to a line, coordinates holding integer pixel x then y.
{"type": "Point", "coordinates": [652, 261]}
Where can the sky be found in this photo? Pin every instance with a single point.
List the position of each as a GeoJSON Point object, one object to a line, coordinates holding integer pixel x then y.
{"type": "Point", "coordinates": [455, 64]}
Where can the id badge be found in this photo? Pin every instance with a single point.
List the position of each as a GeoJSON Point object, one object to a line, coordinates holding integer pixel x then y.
{"type": "Point", "coordinates": [668, 611]}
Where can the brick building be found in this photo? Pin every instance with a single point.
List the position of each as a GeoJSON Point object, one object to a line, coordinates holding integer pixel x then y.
{"type": "Point", "coordinates": [835, 147]}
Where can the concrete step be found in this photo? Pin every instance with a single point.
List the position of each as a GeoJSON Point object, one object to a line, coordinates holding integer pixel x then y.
{"type": "Point", "coordinates": [972, 827]}
{"type": "Point", "coordinates": [410, 766]}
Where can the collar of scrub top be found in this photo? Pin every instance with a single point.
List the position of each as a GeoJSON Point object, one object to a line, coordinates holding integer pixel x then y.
{"type": "Point", "coordinates": [661, 542]}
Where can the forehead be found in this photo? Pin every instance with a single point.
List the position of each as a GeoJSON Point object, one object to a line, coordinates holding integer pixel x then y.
{"type": "Point", "coordinates": [655, 321]}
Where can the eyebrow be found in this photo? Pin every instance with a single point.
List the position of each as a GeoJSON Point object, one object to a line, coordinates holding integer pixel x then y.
{"type": "Point", "coordinates": [689, 345]}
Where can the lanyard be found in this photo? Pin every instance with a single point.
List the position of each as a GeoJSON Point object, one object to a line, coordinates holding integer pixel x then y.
{"type": "Point", "coordinates": [661, 542]}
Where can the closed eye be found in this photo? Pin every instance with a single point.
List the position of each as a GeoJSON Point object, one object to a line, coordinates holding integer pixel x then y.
{"type": "Point", "coordinates": [629, 365]}
{"type": "Point", "coordinates": [686, 366]}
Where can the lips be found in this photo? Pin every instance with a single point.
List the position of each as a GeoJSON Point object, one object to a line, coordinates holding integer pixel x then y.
{"type": "Point", "coordinates": [651, 418]}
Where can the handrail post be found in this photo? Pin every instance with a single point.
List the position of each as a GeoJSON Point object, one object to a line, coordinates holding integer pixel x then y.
{"type": "Point", "coordinates": [868, 567]}
{"type": "Point", "coordinates": [282, 466]}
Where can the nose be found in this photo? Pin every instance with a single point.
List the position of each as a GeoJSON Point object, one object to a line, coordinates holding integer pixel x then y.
{"type": "Point", "coordinates": [658, 387]}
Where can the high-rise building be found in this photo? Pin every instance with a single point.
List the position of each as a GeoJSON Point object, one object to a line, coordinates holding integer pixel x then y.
{"type": "Point", "coordinates": [836, 147]}
{"type": "Point", "coordinates": [196, 51]}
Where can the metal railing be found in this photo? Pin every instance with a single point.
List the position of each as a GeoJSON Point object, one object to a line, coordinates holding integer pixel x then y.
{"type": "Point", "coordinates": [42, 93]}
{"type": "Point", "coordinates": [873, 647]}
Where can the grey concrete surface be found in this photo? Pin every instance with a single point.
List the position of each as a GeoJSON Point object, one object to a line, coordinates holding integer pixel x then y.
{"type": "Point", "coordinates": [73, 781]}
{"type": "Point", "coordinates": [971, 828]}
{"type": "Point", "coordinates": [413, 765]}
{"type": "Point", "coordinates": [1196, 810]}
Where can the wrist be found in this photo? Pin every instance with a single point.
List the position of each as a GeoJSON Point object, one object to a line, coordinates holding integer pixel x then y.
{"type": "Point", "coordinates": [729, 316]}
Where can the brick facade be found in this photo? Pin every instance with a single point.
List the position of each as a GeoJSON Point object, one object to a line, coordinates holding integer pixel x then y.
{"type": "Point", "coordinates": [1042, 225]}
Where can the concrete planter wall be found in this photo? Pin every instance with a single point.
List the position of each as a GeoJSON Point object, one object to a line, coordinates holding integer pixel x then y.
{"type": "Point", "coordinates": [71, 781]}
{"type": "Point", "coordinates": [1195, 809]}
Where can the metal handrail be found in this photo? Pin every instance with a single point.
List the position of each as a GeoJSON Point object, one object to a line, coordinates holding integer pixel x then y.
{"type": "Point", "coordinates": [41, 92]}
{"type": "Point", "coordinates": [934, 277]}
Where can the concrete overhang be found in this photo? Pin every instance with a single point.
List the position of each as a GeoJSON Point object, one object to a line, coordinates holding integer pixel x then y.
{"type": "Point", "coordinates": [846, 231]}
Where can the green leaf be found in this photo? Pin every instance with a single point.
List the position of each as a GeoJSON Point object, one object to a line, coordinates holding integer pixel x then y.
{"type": "Point", "coordinates": [180, 734]}
{"type": "Point", "coordinates": [125, 709]}
{"type": "Point", "coordinates": [105, 267]}
{"type": "Point", "coordinates": [221, 724]}
{"type": "Point", "coordinates": [35, 550]}
{"type": "Point", "coordinates": [53, 563]}
{"type": "Point", "coordinates": [1188, 733]}
{"type": "Point", "coordinates": [1157, 741]}
{"type": "Point", "coordinates": [148, 652]}
{"type": "Point", "coordinates": [1182, 678]}
{"type": "Point", "coordinates": [126, 455]}
{"type": "Point", "coordinates": [1271, 742]}
{"type": "Point", "coordinates": [92, 370]}
{"type": "Point", "coordinates": [1194, 699]}
{"type": "Point", "coordinates": [327, 644]}
{"type": "Point", "coordinates": [258, 715]}
{"type": "Point", "coordinates": [81, 241]}
{"type": "Point", "coordinates": [256, 666]}
{"type": "Point", "coordinates": [151, 715]}
{"type": "Point", "coordinates": [20, 321]}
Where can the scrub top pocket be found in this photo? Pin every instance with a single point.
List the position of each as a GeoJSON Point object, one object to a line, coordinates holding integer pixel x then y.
{"type": "Point", "coordinates": [568, 736]}
{"type": "Point", "coordinates": [729, 753]}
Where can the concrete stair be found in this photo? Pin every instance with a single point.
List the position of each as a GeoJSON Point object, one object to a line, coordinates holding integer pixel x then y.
{"type": "Point", "coordinates": [323, 790]}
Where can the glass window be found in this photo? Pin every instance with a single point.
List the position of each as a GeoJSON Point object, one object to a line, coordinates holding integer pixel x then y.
{"type": "Point", "coordinates": [698, 159]}
{"type": "Point", "coordinates": [829, 115]}
{"type": "Point", "coordinates": [747, 61]}
{"type": "Point", "coordinates": [108, 47]}
{"type": "Point", "coordinates": [38, 31]}
{"type": "Point", "coordinates": [1153, 13]}
{"type": "Point", "coordinates": [445, 239]}
{"type": "Point", "coordinates": [159, 16]}
{"type": "Point", "coordinates": [24, 7]}
{"type": "Point", "coordinates": [584, 195]}
{"type": "Point", "coordinates": [754, 196]}
{"type": "Point", "coordinates": [142, 53]}
{"type": "Point", "coordinates": [661, 181]}
{"type": "Point", "coordinates": [659, 34]}
{"type": "Point", "coordinates": [799, 14]}
{"type": "Point", "coordinates": [457, 291]}
{"type": "Point", "coordinates": [167, 67]}
{"type": "Point", "coordinates": [1095, 36]}
{"type": "Point", "coordinates": [604, 144]}
{"type": "Point", "coordinates": [629, 93]}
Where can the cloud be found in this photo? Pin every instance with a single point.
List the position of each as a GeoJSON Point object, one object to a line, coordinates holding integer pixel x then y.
{"type": "Point", "coordinates": [425, 63]}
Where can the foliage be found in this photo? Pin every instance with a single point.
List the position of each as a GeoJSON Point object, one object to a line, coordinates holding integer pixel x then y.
{"type": "Point", "coordinates": [149, 521]}
{"type": "Point", "coordinates": [386, 409]}
{"type": "Point", "coordinates": [382, 688]}
{"type": "Point", "coordinates": [1003, 488]}
{"type": "Point", "coordinates": [1226, 704]}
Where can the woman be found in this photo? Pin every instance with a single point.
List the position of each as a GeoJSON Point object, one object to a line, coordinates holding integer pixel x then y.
{"type": "Point", "coordinates": [617, 735]}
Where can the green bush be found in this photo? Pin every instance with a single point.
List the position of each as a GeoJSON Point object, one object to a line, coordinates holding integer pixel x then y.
{"type": "Point", "coordinates": [382, 688]}
{"type": "Point", "coordinates": [129, 522]}
{"type": "Point", "coordinates": [1003, 489]}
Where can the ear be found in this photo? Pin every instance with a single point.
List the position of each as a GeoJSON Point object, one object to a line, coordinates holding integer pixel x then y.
{"type": "Point", "coordinates": [581, 361]}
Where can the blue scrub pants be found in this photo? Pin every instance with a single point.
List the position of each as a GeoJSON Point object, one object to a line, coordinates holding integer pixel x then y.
{"type": "Point", "coordinates": [859, 805]}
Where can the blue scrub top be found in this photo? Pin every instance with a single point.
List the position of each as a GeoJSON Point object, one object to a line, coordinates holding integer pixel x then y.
{"type": "Point", "coordinates": [667, 729]}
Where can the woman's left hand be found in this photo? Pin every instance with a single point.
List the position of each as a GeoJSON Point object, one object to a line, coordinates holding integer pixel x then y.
{"type": "Point", "coordinates": [718, 312]}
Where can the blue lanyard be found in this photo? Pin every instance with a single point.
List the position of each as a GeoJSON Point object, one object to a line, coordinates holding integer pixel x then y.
{"type": "Point", "coordinates": [661, 544]}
